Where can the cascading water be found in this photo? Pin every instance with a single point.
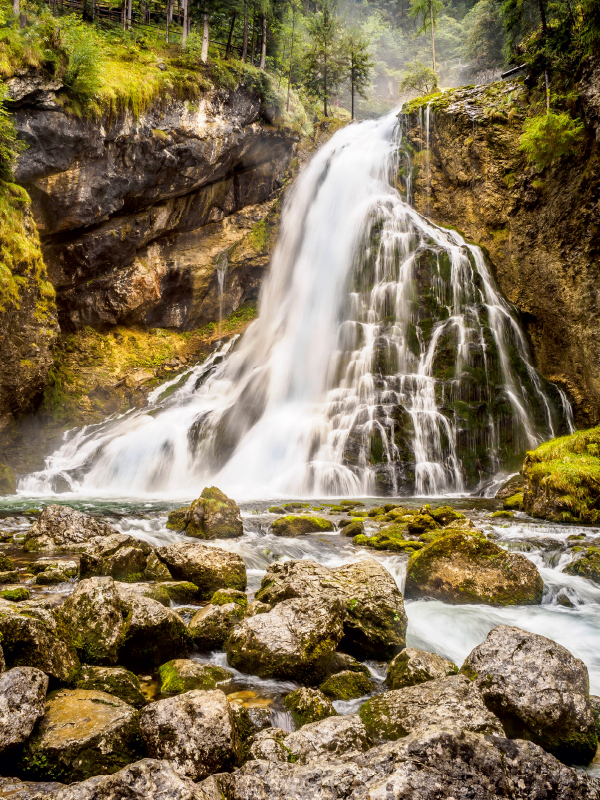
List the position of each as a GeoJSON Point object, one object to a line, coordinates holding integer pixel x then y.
{"type": "Point", "coordinates": [383, 361]}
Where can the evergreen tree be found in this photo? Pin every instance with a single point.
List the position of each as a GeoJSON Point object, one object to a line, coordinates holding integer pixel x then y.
{"type": "Point", "coordinates": [324, 61]}
{"type": "Point", "coordinates": [359, 64]}
{"type": "Point", "coordinates": [427, 11]}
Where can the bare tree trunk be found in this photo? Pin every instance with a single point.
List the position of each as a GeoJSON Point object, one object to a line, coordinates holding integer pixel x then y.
{"type": "Point", "coordinates": [228, 48]}
{"type": "Point", "coordinates": [124, 14]}
{"type": "Point", "coordinates": [245, 44]}
{"type": "Point", "coordinates": [129, 11]}
{"type": "Point", "coordinates": [169, 7]}
{"type": "Point", "coordinates": [204, 54]}
{"type": "Point", "coordinates": [432, 34]}
{"type": "Point", "coordinates": [287, 107]}
{"type": "Point", "coordinates": [185, 23]}
{"type": "Point", "coordinates": [253, 38]}
{"type": "Point", "coordinates": [16, 7]}
{"type": "Point", "coordinates": [325, 86]}
{"type": "Point", "coordinates": [263, 47]}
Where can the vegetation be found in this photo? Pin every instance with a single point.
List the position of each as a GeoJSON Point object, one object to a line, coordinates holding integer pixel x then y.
{"type": "Point", "coordinates": [549, 137]}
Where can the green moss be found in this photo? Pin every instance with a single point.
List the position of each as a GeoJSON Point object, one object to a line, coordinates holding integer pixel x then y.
{"type": "Point", "coordinates": [502, 514]}
{"type": "Point", "coordinates": [296, 526]}
{"type": "Point", "coordinates": [308, 705]}
{"type": "Point", "coordinates": [16, 595]}
{"type": "Point", "coordinates": [346, 685]}
{"type": "Point", "coordinates": [224, 596]}
{"type": "Point", "coordinates": [514, 502]}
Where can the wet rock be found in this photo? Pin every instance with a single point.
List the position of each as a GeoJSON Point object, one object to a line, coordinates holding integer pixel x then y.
{"type": "Point", "coordinates": [445, 515]}
{"type": "Point", "coordinates": [297, 526]}
{"type": "Point", "coordinates": [256, 607]}
{"type": "Point", "coordinates": [453, 701]}
{"type": "Point", "coordinates": [208, 567]}
{"type": "Point", "coordinates": [539, 691]}
{"type": "Point", "coordinates": [83, 733]}
{"type": "Point", "coordinates": [195, 731]}
{"type": "Point", "coordinates": [64, 528]}
{"type": "Point", "coordinates": [9, 577]}
{"type": "Point", "coordinates": [116, 681]}
{"type": "Point", "coordinates": [22, 703]}
{"type": "Point", "coordinates": [354, 527]}
{"type": "Point", "coordinates": [267, 745]}
{"type": "Point", "coordinates": [184, 675]}
{"type": "Point", "coordinates": [328, 739]}
{"type": "Point", "coordinates": [213, 624]}
{"type": "Point", "coordinates": [121, 556]}
{"type": "Point", "coordinates": [276, 510]}
{"type": "Point", "coordinates": [413, 666]}
{"type": "Point", "coordinates": [14, 789]}
{"type": "Point", "coordinates": [346, 685]}
{"type": "Point", "coordinates": [6, 564]}
{"type": "Point", "coordinates": [308, 705]}
{"type": "Point", "coordinates": [14, 593]}
{"type": "Point", "coordinates": [390, 538]}
{"type": "Point", "coordinates": [164, 593]}
{"type": "Point", "coordinates": [155, 570]}
{"type": "Point", "coordinates": [96, 617]}
{"type": "Point", "coordinates": [223, 596]}
{"type": "Point", "coordinates": [586, 565]}
{"type": "Point", "coordinates": [514, 502]}
{"type": "Point", "coordinates": [464, 567]}
{"type": "Point", "coordinates": [374, 619]}
{"type": "Point", "coordinates": [260, 718]}
{"type": "Point", "coordinates": [421, 523]}
{"type": "Point", "coordinates": [50, 571]}
{"type": "Point", "coordinates": [212, 516]}
{"type": "Point", "coordinates": [288, 642]}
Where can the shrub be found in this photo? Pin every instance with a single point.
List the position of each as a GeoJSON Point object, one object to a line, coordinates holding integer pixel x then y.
{"type": "Point", "coordinates": [83, 78]}
{"type": "Point", "coordinates": [547, 138]}
{"type": "Point", "coordinates": [419, 78]}
{"type": "Point", "coordinates": [10, 146]}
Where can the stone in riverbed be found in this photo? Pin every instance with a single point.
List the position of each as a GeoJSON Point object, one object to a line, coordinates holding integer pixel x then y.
{"type": "Point", "coordinates": [464, 567]}
{"type": "Point", "coordinates": [328, 739]}
{"type": "Point", "coordinates": [116, 681]}
{"type": "Point", "coordinates": [212, 625]}
{"type": "Point", "coordinates": [297, 526]}
{"type": "Point", "coordinates": [267, 745]}
{"type": "Point", "coordinates": [354, 527]}
{"type": "Point", "coordinates": [83, 733]}
{"type": "Point", "coordinates": [212, 516]}
{"type": "Point", "coordinates": [195, 731]}
{"type": "Point", "coordinates": [155, 570]}
{"type": "Point", "coordinates": [413, 666]}
{"type": "Point", "coordinates": [539, 691]}
{"type": "Point", "coordinates": [308, 705]}
{"type": "Point", "coordinates": [22, 703]}
{"type": "Point", "coordinates": [164, 592]}
{"type": "Point", "coordinates": [14, 593]}
{"type": "Point", "coordinates": [183, 675]}
{"type": "Point", "coordinates": [586, 565]}
{"type": "Point", "coordinates": [453, 701]}
{"type": "Point", "coordinates": [121, 556]}
{"type": "Point", "coordinates": [210, 568]}
{"type": "Point", "coordinates": [51, 570]}
{"type": "Point", "coordinates": [64, 528]}
{"type": "Point", "coordinates": [346, 685]}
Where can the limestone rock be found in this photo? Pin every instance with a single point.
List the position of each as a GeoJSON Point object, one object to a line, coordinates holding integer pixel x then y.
{"type": "Point", "coordinates": [15, 789]}
{"type": "Point", "coordinates": [14, 593]}
{"type": "Point", "coordinates": [212, 625]}
{"type": "Point", "coordinates": [308, 705]}
{"type": "Point", "coordinates": [289, 641]}
{"type": "Point", "coordinates": [355, 527]}
{"type": "Point", "coordinates": [453, 701]}
{"type": "Point", "coordinates": [539, 691]}
{"type": "Point", "coordinates": [83, 733]}
{"type": "Point", "coordinates": [155, 570]}
{"type": "Point", "coordinates": [328, 739]}
{"type": "Point", "coordinates": [297, 526]}
{"type": "Point", "coordinates": [50, 571]}
{"type": "Point", "coordinates": [121, 556]}
{"type": "Point", "coordinates": [413, 666]}
{"type": "Point", "coordinates": [373, 612]}
{"type": "Point", "coordinates": [95, 615]}
{"type": "Point", "coordinates": [164, 592]}
{"type": "Point", "coordinates": [116, 681]}
{"type": "Point", "coordinates": [586, 565]}
{"type": "Point", "coordinates": [183, 675]}
{"type": "Point", "coordinates": [464, 567]}
{"type": "Point", "coordinates": [195, 731]}
{"type": "Point", "coordinates": [212, 516]}
{"type": "Point", "coordinates": [346, 685]}
{"type": "Point", "coordinates": [61, 527]}
{"type": "Point", "coordinates": [22, 703]}
{"type": "Point", "coordinates": [208, 567]}
{"type": "Point", "coordinates": [267, 745]}
{"type": "Point", "coordinates": [223, 596]}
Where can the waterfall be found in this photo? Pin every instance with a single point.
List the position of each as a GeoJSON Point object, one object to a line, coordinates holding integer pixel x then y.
{"type": "Point", "coordinates": [383, 361]}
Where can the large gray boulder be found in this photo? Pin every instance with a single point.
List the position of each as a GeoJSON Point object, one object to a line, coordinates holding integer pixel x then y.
{"type": "Point", "coordinates": [22, 703]}
{"type": "Point", "coordinates": [212, 625]}
{"type": "Point", "coordinates": [374, 619]}
{"type": "Point", "coordinates": [117, 681]}
{"type": "Point", "coordinates": [83, 733]}
{"type": "Point", "coordinates": [539, 691]}
{"type": "Point", "coordinates": [121, 556]}
{"type": "Point", "coordinates": [96, 617]}
{"type": "Point", "coordinates": [453, 701]}
{"type": "Point", "coordinates": [64, 528]}
{"type": "Point", "coordinates": [195, 731]}
{"type": "Point", "coordinates": [289, 642]}
{"type": "Point", "coordinates": [413, 666]}
{"type": "Point", "coordinates": [330, 738]}
{"type": "Point", "coordinates": [210, 568]}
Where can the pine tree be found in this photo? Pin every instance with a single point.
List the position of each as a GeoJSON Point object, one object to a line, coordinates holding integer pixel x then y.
{"type": "Point", "coordinates": [324, 62]}
{"type": "Point", "coordinates": [359, 64]}
{"type": "Point", "coordinates": [427, 11]}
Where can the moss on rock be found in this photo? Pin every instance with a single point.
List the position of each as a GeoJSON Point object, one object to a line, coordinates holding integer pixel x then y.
{"type": "Point", "coordinates": [308, 705]}
{"type": "Point", "coordinates": [297, 526]}
{"type": "Point", "coordinates": [587, 566]}
{"type": "Point", "coordinates": [15, 594]}
{"type": "Point", "coordinates": [346, 685]}
{"type": "Point", "coordinates": [183, 675]}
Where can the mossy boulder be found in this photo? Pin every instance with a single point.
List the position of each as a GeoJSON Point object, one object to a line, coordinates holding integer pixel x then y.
{"type": "Point", "coordinates": [210, 568]}
{"type": "Point", "coordinates": [8, 480]}
{"type": "Point", "coordinates": [353, 527]}
{"type": "Point", "coordinates": [121, 556]}
{"type": "Point", "coordinates": [223, 596]}
{"type": "Point", "coordinates": [213, 624]}
{"type": "Point", "coordinates": [308, 705]}
{"type": "Point", "coordinates": [116, 681]}
{"type": "Point", "coordinates": [445, 515]}
{"type": "Point", "coordinates": [514, 502]}
{"type": "Point", "coordinates": [212, 516]}
{"type": "Point", "coordinates": [587, 565]}
{"type": "Point", "coordinates": [346, 685]}
{"type": "Point", "coordinates": [465, 567]}
{"type": "Point", "coordinates": [49, 572]}
{"type": "Point", "coordinates": [297, 526]}
{"type": "Point", "coordinates": [14, 593]}
{"type": "Point", "coordinates": [6, 564]}
{"type": "Point", "coordinates": [390, 538]}
{"type": "Point", "coordinates": [83, 733]}
{"type": "Point", "coordinates": [502, 514]}
{"type": "Point", "coordinates": [184, 675]}
{"type": "Point", "coordinates": [155, 570]}
{"type": "Point", "coordinates": [421, 523]}
{"type": "Point", "coordinates": [276, 510]}
{"type": "Point", "coordinates": [9, 577]}
{"type": "Point", "coordinates": [413, 666]}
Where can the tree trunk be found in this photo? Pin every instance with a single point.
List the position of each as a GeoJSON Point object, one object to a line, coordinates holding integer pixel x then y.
{"type": "Point", "coordinates": [124, 14]}
{"type": "Point", "coordinates": [263, 47]}
{"type": "Point", "coordinates": [16, 7]}
{"type": "Point", "coordinates": [185, 23]}
{"type": "Point", "coordinates": [129, 12]}
{"type": "Point", "coordinates": [245, 43]}
{"type": "Point", "coordinates": [287, 108]}
{"type": "Point", "coordinates": [228, 48]}
{"type": "Point", "coordinates": [169, 6]}
{"type": "Point", "coordinates": [432, 35]}
{"type": "Point", "coordinates": [253, 38]}
{"type": "Point", "coordinates": [204, 54]}
{"type": "Point", "coordinates": [352, 84]}
{"type": "Point", "coordinates": [542, 9]}
{"type": "Point", "coordinates": [325, 86]}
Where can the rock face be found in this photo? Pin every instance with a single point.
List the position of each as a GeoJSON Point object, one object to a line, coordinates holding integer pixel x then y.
{"type": "Point", "coordinates": [22, 703]}
{"type": "Point", "coordinates": [413, 666]}
{"type": "Point", "coordinates": [464, 567]}
{"type": "Point", "coordinates": [373, 612]}
{"type": "Point", "coordinates": [116, 681]}
{"type": "Point", "coordinates": [61, 527]}
{"type": "Point", "coordinates": [452, 701]}
{"type": "Point", "coordinates": [538, 690]}
{"type": "Point", "coordinates": [83, 733]}
{"type": "Point", "coordinates": [208, 567]}
{"type": "Point", "coordinates": [212, 516]}
{"type": "Point", "coordinates": [587, 565]}
{"type": "Point", "coordinates": [195, 731]}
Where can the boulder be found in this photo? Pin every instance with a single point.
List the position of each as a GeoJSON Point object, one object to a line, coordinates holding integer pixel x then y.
{"type": "Point", "coordinates": [586, 564]}
{"type": "Point", "coordinates": [465, 567]}
{"type": "Point", "coordinates": [212, 516]}
{"type": "Point", "coordinates": [223, 596]}
{"type": "Point", "coordinates": [421, 523]}
{"type": "Point", "coordinates": [346, 685]}
{"type": "Point", "coordinates": [445, 515]}
{"type": "Point", "coordinates": [155, 570]}
{"type": "Point", "coordinates": [297, 526]}
{"type": "Point", "coordinates": [96, 617]}
{"type": "Point", "coordinates": [328, 739]}
{"type": "Point", "coordinates": [83, 733]}
{"type": "Point", "coordinates": [46, 565]}
{"type": "Point", "coordinates": [210, 568]}
{"type": "Point", "coordinates": [180, 592]}
{"type": "Point", "coordinates": [15, 789]}
{"type": "Point", "coordinates": [413, 666]}
{"type": "Point", "coordinates": [14, 593]}
{"type": "Point", "coordinates": [390, 538]}
{"type": "Point", "coordinates": [374, 619]}
{"type": "Point", "coordinates": [121, 556]}
{"type": "Point", "coordinates": [6, 564]}
{"type": "Point", "coordinates": [195, 731]}
{"type": "Point", "coordinates": [183, 675]}
{"type": "Point", "coordinates": [308, 705]}
{"type": "Point", "coordinates": [538, 690]}
{"type": "Point", "coordinates": [354, 527]}
{"type": "Point", "coordinates": [116, 681]}
{"type": "Point", "coordinates": [256, 607]}
{"type": "Point", "coordinates": [10, 577]}
{"type": "Point", "coordinates": [267, 745]}
{"type": "Point", "coordinates": [454, 701]}
{"type": "Point", "coordinates": [22, 703]}
{"type": "Point", "coordinates": [289, 642]}
{"type": "Point", "coordinates": [64, 528]}
{"type": "Point", "coordinates": [212, 625]}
